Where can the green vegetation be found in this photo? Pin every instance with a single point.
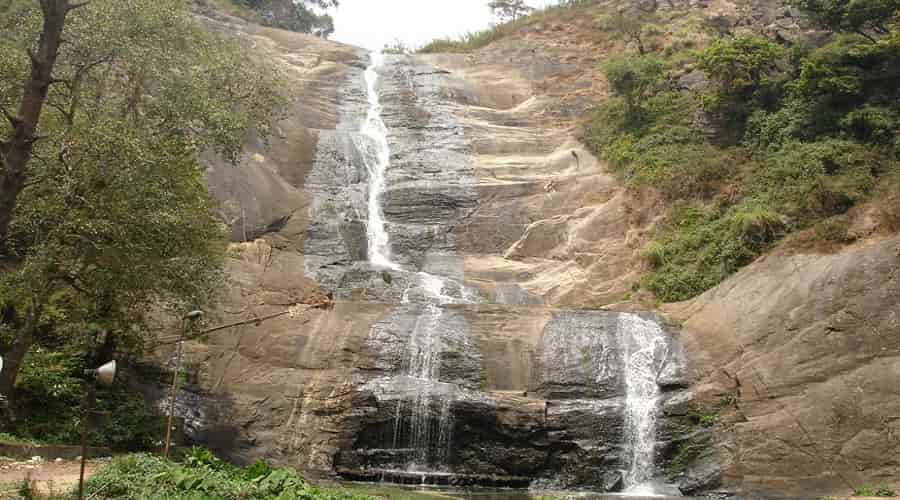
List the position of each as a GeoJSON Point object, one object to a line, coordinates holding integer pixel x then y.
{"type": "Point", "coordinates": [687, 452]}
{"type": "Point", "coordinates": [105, 219]}
{"type": "Point", "coordinates": [49, 392]}
{"type": "Point", "coordinates": [199, 475]}
{"type": "Point", "coordinates": [880, 491]}
{"type": "Point", "coordinates": [509, 10]}
{"type": "Point", "coordinates": [781, 140]}
{"type": "Point", "coordinates": [709, 420]}
{"type": "Point", "coordinates": [470, 41]}
{"type": "Point", "coordinates": [301, 16]}
{"type": "Point", "coordinates": [11, 439]}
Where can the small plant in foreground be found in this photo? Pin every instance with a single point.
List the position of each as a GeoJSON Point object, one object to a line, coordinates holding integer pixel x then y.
{"type": "Point", "coordinates": [880, 491]}
{"type": "Point", "coordinates": [709, 420]}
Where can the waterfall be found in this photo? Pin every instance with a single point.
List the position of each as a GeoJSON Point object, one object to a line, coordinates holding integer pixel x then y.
{"type": "Point", "coordinates": [427, 437]}
{"type": "Point", "coordinates": [377, 157]}
{"type": "Point", "coordinates": [645, 352]}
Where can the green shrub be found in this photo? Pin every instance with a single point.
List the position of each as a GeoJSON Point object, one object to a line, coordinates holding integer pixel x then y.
{"type": "Point", "coordinates": [634, 78]}
{"type": "Point", "coordinates": [701, 247]}
{"type": "Point", "coordinates": [816, 180]}
{"type": "Point", "coordinates": [738, 65]}
{"type": "Point", "coordinates": [880, 491]}
{"type": "Point", "coordinates": [768, 131]}
{"type": "Point", "coordinates": [202, 476]}
{"type": "Point", "coordinates": [849, 72]}
{"type": "Point", "coordinates": [709, 420]}
{"type": "Point", "coordinates": [876, 124]}
{"type": "Point", "coordinates": [49, 396]}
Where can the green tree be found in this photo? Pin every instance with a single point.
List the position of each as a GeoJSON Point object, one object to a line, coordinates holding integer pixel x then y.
{"type": "Point", "coordinates": [110, 212]}
{"type": "Point", "coordinates": [509, 10]}
{"type": "Point", "coordinates": [634, 25]}
{"type": "Point", "coordinates": [300, 16]}
{"type": "Point", "coordinates": [738, 65]}
{"type": "Point", "coordinates": [863, 17]}
{"type": "Point", "coordinates": [634, 78]}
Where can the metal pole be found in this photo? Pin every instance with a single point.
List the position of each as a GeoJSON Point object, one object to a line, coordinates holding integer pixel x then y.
{"type": "Point", "coordinates": [86, 415]}
{"type": "Point", "coordinates": [174, 389]}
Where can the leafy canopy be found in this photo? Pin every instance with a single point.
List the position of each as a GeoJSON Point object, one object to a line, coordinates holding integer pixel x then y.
{"type": "Point", "coordinates": [634, 78]}
{"type": "Point", "coordinates": [856, 16]}
{"type": "Point", "coordinates": [509, 10]}
{"type": "Point", "coordinates": [115, 217]}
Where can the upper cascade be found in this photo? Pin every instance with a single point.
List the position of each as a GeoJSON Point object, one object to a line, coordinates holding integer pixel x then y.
{"type": "Point", "coordinates": [377, 157]}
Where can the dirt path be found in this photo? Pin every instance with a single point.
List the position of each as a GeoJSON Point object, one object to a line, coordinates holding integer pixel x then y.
{"type": "Point", "coordinates": [48, 477]}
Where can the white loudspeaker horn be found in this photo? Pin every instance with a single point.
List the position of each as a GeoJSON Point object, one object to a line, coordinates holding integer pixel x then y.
{"type": "Point", "coordinates": [106, 373]}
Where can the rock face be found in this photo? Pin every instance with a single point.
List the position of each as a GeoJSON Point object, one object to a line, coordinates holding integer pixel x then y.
{"type": "Point", "coordinates": [801, 353]}
{"type": "Point", "coordinates": [513, 369]}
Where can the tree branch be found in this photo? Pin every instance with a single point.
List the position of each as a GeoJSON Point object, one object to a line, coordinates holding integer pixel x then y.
{"type": "Point", "coordinates": [15, 121]}
{"type": "Point", "coordinates": [74, 6]}
{"type": "Point", "coordinates": [32, 56]}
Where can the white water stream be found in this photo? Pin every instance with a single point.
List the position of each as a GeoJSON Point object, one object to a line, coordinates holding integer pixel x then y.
{"type": "Point", "coordinates": [645, 351]}
{"type": "Point", "coordinates": [377, 157]}
{"type": "Point", "coordinates": [430, 442]}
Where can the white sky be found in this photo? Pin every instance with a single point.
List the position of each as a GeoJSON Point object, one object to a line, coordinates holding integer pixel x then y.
{"type": "Point", "coordinates": [373, 23]}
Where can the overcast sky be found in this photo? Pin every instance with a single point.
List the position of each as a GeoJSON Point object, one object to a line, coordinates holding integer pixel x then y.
{"type": "Point", "coordinates": [373, 23]}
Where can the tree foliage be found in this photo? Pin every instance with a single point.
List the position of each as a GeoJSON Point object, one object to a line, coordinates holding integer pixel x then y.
{"type": "Point", "coordinates": [300, 16]}
{"type": "Point", "coordinates": [114, 215]}
{"type": "Point", "coordinates": [509, 10]}
{"type": "Point", "coordinates": [634, 24]}
{"type": "Point", "coordinates": [634, 78]}
{"type": "Point", "coordinates": [738, 65]}
{"type": "Point", "coordinates": [864, 17]}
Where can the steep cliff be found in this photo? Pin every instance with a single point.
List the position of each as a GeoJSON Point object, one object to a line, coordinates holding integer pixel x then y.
{"type": "Point", "coordinates": [792, 363]}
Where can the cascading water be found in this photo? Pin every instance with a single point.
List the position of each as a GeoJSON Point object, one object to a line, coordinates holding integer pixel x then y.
{"type": "Point", "coordinates": [377, 157]}
{"type": "Point", "coordinates": [422, 367]}
{"type": "Point", "coordinates": [434, 339]}
{"type": "Point", "coordinates": [428, 440]}
{"type": "Point", "coordinates": [645, 352]}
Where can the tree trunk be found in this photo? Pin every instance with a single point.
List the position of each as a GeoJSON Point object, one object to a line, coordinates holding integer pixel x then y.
{"type": "Point", "coordinates": [17, 148]}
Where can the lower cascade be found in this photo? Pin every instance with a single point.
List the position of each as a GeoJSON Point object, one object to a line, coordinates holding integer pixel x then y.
{"type": "Point", "coordinates": [543, 398]}
{"type": "Point", "coordinates": [645, 356]}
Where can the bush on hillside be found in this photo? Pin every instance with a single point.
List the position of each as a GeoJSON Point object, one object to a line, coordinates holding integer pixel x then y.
{"type": "Point", "coordinates": [811, 181]}
{"type": "Point", "coordinates": [634, 78]}
{"type": "Point", "coordinates": [702, 247]}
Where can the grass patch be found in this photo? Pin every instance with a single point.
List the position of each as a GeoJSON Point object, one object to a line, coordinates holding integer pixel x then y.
{"type": "Point", "coordinates": [466, 43]}
{"type": "Point", "coordinates": [6, 437]}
